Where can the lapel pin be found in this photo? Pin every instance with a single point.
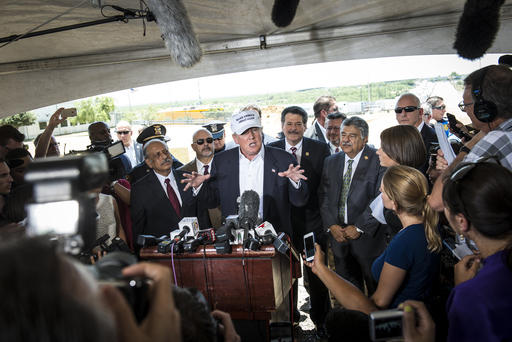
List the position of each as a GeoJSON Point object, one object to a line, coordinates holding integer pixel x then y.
{"type": "Point", "coordinates": [307, 154]}
{"type": "Point", "coordinates": [366, 157]}
{"type": "Point", "coordinates": [274, 170]}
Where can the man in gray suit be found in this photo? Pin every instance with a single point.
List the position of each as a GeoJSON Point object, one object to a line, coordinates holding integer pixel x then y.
{"type": "Point", "coordinates": [324, 106]}
{"type": "Point", "coordinates": [350, 181]}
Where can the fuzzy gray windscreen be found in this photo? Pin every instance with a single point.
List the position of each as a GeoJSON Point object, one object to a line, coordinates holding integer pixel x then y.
{"type": "Point", "coordinates": [177, 33]}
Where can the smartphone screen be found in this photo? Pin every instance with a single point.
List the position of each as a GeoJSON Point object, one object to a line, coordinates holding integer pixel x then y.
{"type": "Point", "coordinates": [116, 149]}
{"type": "Point", "coordinates": [309, 246]}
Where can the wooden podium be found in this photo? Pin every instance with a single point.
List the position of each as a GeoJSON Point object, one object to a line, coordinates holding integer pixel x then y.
{"type": "Point", "coordinates": [250, 285]}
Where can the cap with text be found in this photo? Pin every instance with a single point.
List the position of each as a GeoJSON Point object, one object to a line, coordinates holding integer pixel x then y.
{"type": "Point", "coordinates": [242, 121]}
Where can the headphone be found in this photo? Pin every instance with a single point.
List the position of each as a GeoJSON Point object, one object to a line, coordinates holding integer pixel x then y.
{"type": "Point", "coordinates": [484, 110]}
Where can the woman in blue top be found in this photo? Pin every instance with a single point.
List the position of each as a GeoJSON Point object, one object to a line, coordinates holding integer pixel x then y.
{"type": "Point", "coordinates": [407, 266]}
{"type": "Point", "coordinates": [478, 204]}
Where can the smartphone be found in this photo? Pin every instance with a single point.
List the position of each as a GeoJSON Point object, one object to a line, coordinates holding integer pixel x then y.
{"type": "Point", "coordinates": [386, 325]}
{"type": "Point", "coordinates": [309, 246]}
{"type": "Point", "coordinates": [453, 127]}
{"type": "Point", "coordinates": [68, 112]}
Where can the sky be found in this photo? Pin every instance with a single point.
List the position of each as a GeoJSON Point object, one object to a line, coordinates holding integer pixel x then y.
{"type": "Point", "coordinates": [333, 74]}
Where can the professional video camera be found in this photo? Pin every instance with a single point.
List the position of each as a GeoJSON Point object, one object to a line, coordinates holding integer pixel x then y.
{"type": "Point", "coordinates": [113, 152]}
{"type": "Point", "coordinates": [64, 210]}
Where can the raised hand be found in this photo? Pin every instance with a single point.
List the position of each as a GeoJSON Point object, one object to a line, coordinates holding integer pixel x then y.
{"type": "Point", "coordinates": [295, 173]}
{"type": "Point", "coordinates": [193, 179]}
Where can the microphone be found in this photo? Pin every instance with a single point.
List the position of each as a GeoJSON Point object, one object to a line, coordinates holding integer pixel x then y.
{"type": "Point", "coordinates": [177, 32]}
{"type": "Point", "coordinates": [149, 240]}
{"type": "Point", "coordinates": [248, 211]}
{"type": "Point", "coordinates": [181, 234]}
{"type": "Point", "coordinates": [477, 28]}
{"type": "Point", "coordinates": [284, 11]}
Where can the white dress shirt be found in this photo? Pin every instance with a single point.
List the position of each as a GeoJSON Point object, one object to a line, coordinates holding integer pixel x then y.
{"type": "Point", "coordinates": [298, 152]}
{"type": "Point", "coordinates": [251, 175]}
{"type": "Point", "coordinates": [200, 166]}
{"type": "Point", "coordinates": [420, 127]}
{"type": "Point", "coordinates": [173, 183]}
{"type": "Point", "coordinates": [333, 148]}
{"type": "Point", "coordinates": [130, 153]}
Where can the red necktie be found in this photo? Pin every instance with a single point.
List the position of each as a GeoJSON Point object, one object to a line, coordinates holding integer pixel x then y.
{"type": "Point", "coordinates": [337, 150]}
{"type": "Point", "coordinates": [173, 198]}
{"type": "Point", "coordinates": [206, 169]}
{"type": "Point", "coordinates": [294, 149]}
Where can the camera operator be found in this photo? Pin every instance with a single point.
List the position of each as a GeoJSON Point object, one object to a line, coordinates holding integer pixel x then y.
{"type": "Point", "coordinates": [66, 304]}
{"type": "Point", "coordinates": [99, 134]}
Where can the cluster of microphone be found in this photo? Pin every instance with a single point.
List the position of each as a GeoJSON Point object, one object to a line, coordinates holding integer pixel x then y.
{"type": "Point", "coordinates": [242, 229]}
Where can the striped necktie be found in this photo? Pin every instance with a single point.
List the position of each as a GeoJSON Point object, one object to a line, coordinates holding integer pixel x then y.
{"type": "Point", "coordinates": [347, 177]}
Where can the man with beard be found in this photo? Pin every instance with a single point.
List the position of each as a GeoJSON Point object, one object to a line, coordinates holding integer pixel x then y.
{"type": "Point", "coordinates": [202, 144]}
{"type": "Point", "coordinates": [158, 201]}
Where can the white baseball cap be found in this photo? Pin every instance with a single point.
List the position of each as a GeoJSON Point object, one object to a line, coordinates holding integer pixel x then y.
{"type": "Point", "coordinates": [242, 121]}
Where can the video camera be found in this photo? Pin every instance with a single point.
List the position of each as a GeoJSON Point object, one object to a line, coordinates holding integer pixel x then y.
{"type": "Point", "coordinates": [64, 210]}
{"type": "Point", "coordinates": [113, 152]}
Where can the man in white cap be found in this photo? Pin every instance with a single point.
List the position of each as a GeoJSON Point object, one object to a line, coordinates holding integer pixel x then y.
{"type": "Point", "coordinates": [252, 166]}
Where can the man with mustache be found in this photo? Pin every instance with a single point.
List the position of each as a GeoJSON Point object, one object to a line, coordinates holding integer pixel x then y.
{"type": "Point", "coordinates": [350, 181]}
{"type": "Point", "coordinates": [203, 146]}
{"type": "Point", "coordinates": [158, 201]}
{"type": "Point", "coordinates": [310, 154]}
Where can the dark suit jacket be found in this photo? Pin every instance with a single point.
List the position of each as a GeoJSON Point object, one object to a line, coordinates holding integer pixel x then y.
{"type": "Point", "coordinates": [208, 218]}
{"type": "Point", "coordinates": [429, 136]}
{"type": "Point", "coordinates": [142, 170]}
{"type": "Point", "coordinates": [278, 193]}
{"type": "Point", "coordinates": [307, 218]}
{"type": "Point", "coordinates": [151, 210]}
{"type": "Point", "coordinates": [363, 189]}
{"type": "Point", "coordinates": [315, 132]}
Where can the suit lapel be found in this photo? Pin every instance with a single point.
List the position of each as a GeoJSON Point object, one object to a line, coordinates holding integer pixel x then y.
{"type": "Point", "coordinates": [362, 166]}
{"type": "Point", "coordinates": [270, 170]}
{"type": "Point", "coordinates": [319, 132]}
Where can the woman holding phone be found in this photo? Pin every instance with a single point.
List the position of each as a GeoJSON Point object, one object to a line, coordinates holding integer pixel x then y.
{"type": "Point", "coordinates": [406, 268]}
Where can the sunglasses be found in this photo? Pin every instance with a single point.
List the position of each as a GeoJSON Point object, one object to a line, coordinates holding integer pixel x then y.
{"type": "Point", "coordinates": [123, 132]}
{"type": "Point", "coordinates": [462, 105]}
{"type": "Point", "coordinates": [201, 141]}
{"type": "Point", "coordinates": [407, 109]}
{"type": "Point", "coordinates": [439, 107]}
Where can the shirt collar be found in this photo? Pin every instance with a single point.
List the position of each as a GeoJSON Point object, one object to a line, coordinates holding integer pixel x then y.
{"type": "Point", "coordinates": [420, 127]}
{"type": "Point", "coordinates": [261, 154]}
{"type": "Point", "coordinates": [288, 146]}
{"type": "Point", "coordinates": [356, 158]}
{"type": "Point", "coordinates": [163, 178]}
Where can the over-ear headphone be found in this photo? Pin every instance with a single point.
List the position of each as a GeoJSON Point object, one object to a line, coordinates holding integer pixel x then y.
{"type": "Point", "coordinates": [484, 110]}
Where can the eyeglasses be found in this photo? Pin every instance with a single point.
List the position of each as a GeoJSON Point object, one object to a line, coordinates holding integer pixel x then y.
{"type": "Point", "coordinates": [218, 139]}
{"type": "Point", "coordinates": [123, 132]}
{"type": "Point", "coordinates": [407, 109]}
{"type": "Point", "coordinates": [201, 141]}
{"type": "Point", "coordinates": [439, 107]}
{"type": "Point", "coordinates": [462, 105]}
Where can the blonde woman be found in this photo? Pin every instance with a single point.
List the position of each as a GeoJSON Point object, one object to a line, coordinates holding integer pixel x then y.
{"type": "Point", "coordinates": [406, 268]}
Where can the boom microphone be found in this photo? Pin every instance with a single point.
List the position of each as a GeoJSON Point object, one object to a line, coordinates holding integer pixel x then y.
{"type": "Point", "coordinates": [477, 28]}
{"type": "Point", "coordinates": [177, 33]}
{"type": "Point", "coordinates": [284, 11]}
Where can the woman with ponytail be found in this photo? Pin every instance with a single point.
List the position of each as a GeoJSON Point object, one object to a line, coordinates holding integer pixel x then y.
{"type": "Point", "coordinates": [478, 204]}
{"type": "Point", "coordinates": [406, 269]}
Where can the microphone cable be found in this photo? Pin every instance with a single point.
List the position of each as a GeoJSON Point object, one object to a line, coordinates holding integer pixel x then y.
{"type": "Point", "coordinates": [172, 263]}
{"type": "Point", "coordinates": [208, 295]}
{"type": "Point", "coordinates": [246, 281]}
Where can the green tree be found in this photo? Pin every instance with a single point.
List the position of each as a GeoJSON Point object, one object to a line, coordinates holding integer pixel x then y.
{"type": "Point", "coordinates": [90, 110]}
{"type": "Point", "coordinates": [21, 119]}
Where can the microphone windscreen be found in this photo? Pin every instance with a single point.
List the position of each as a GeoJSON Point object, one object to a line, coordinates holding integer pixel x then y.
{"type": "Point", "coordinates": [177, 33]}
{"type": "Point", "coordinates": [477, 28]}
{"type": "Point", "coordinates": [284, 11]}
{"type": "Point", "coordinates": [249, 207]}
